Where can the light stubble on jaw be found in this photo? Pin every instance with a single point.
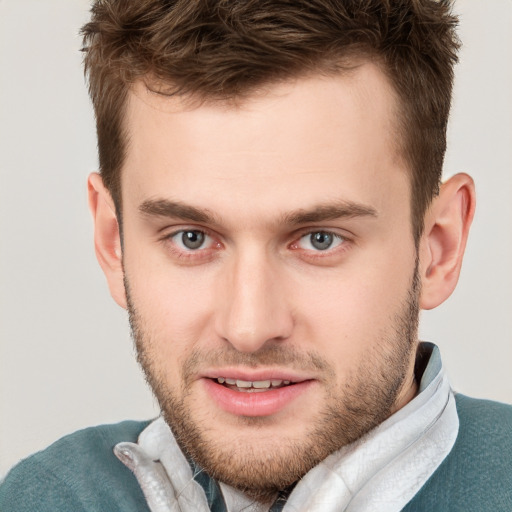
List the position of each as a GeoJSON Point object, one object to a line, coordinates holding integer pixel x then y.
{"type": "Point", "coordinates": [365, 401]}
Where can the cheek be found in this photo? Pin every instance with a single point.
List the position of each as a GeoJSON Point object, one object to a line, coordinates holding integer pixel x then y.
{"type": "Point", "coordinates": [173, 308]}
{"type": "Point", "coordinates": [349, 312]}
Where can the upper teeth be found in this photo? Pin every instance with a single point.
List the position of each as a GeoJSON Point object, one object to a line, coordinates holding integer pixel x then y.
{"type": "Point", "coordinates": [258, 384]}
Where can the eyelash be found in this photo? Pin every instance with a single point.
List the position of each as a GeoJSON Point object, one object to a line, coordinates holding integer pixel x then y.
{"type": "Point", "coordinates": [336, 238]}
{"type": "Point", "coordinates": [326, 256]}
{"type": "Point", "coordinates": [215, 244]}
{"type": "Point", "coordinates": [189, 254]}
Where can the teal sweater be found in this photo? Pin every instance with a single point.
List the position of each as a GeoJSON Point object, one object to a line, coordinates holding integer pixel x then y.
{"type": "Point", "coordinates": [80, 472]}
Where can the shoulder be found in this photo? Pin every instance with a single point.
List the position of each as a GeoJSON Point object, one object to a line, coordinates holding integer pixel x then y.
{"type": "Point", "coordinates": [79, 472]}
{"type": "Point", "coordinates": [484, 442]}
{"type": "Point", "coordinates": [477, 473]}
{"type": "Point", "coordinates": [477, 415]}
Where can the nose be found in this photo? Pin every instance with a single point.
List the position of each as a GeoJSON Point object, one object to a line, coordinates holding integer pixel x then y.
{"type": "Point", "coordinates": [253, 308]}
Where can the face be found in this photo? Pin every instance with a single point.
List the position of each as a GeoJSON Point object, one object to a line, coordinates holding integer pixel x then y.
{"type": "Point", "coordinates": [270, 271]}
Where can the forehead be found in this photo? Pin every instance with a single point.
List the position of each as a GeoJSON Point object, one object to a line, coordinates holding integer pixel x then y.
{"type": "Point", "coordinates": [330, 136]}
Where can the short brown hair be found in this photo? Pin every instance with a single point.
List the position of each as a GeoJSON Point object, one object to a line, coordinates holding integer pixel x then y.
{"type": "Point", "coordinates": [226, 49]}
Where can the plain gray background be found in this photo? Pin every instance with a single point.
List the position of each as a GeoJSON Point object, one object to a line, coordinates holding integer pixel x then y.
{"type": "Point", "coordinates": [66, 358]}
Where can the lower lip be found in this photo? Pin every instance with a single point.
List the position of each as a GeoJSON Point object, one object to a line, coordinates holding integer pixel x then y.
{"type": "Point", "coordinates": [260, 403]}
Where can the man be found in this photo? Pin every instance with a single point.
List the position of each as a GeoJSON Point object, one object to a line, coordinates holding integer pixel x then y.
{"type": "Point", "coordinates": [269, 212]}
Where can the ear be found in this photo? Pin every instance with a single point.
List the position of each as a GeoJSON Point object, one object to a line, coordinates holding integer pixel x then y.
{"type": "Point", "coordinates": [447, 224]}
{"type": "Point", "coordinates": [107, 239]}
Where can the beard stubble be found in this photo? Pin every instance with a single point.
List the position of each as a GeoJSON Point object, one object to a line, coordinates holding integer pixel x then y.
{"type": "Point", "coordinates": [364, 401]}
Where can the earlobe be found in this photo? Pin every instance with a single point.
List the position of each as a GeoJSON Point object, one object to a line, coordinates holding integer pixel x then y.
{"type": "Point", "coordinates": [442, 246]}
{"type": "Point", "coordinates": [107, 239]}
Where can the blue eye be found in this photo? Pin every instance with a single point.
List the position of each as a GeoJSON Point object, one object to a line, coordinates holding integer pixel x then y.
{"type": "Point", "coordinates": [191, 239]}
{"type": "Point", "coordinates": [320, 241]}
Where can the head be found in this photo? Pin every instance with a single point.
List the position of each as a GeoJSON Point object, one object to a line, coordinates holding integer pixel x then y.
{"type": "Point", "coordinates": [276, 167]}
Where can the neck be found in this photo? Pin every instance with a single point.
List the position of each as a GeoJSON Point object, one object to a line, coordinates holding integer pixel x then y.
{"type": "Point", "coordinates": [408, 390]}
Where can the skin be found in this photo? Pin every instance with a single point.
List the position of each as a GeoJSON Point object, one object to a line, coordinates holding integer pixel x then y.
{"type": "Point", "coordinates": [257, 299]}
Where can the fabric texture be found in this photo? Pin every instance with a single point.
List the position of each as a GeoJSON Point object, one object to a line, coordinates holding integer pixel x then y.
{"type": "Point", "coordinates": [81, 473]}
{"type": "Point", "coordinates": [477, 474]}
{"type": "Point", "coordinates": [78, 473]}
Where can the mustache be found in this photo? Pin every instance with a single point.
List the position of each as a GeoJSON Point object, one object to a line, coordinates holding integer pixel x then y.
{"type": "Point", "coordinates": [273, 355]}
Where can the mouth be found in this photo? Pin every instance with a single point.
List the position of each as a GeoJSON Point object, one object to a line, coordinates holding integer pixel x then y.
{"type": "Point", "coordinates": [257, 386]}
{"type": "Point", "coordinates": [263, 395]}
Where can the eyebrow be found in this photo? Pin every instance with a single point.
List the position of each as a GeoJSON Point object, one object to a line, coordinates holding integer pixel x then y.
{"type": "Point", "coordinates": [331, 211]}
{"type": "Point", "coordinates": [320, 213]}
{"type": "Point", "coordinates": [176, 210]}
